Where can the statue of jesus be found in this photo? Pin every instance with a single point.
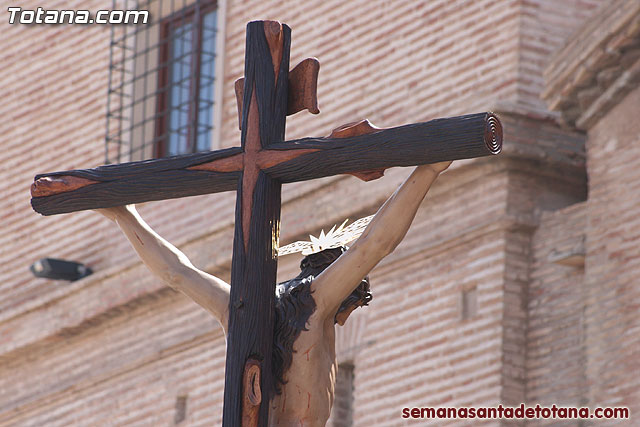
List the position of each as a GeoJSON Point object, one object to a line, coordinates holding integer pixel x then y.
{"type": "Point", "coordinates": [331, 285]}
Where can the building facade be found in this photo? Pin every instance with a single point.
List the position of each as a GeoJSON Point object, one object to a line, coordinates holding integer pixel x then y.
{"type": "Point", "coordinates": [517, 282]}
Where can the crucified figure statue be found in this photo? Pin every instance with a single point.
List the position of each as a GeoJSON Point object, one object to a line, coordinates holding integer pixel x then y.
{"type": "Point", "coordinates": [331, 285]}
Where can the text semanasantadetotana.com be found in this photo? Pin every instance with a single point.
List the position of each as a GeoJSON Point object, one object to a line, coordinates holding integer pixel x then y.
{"type": "Point", "coordinates": [517, 412]}
{"type": "Point", "coordinates": [18, 15]}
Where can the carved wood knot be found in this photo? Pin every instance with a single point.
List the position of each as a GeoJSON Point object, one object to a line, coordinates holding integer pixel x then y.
{"type": "Point", "coordinates": [50, 185]}
{"type": "Point", "coordinates": [252, 394]}
{"type": "Point", "coordinates": [302, 93]}
{"type": "Point", "coordinates": [362, 127]}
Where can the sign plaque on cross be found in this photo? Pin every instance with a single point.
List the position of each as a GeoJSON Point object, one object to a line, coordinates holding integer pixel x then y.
{"type": "Point", "coordinates": [256, 170]}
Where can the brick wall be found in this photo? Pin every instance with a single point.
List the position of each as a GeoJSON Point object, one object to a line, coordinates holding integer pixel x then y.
{"type": "Point", "coordinates": [544, 28]}
{"type": "Point", "coordinates": [535, 187]}
{"type": "Point", "coordinates": [128, 366]}
{"type": "Point", "coordinates": [593, 82]}
{"type": "Point", "coordinates": [119, 348]}
{"type": "Point", "coordinates": [555, 366]}
{"type": "Point", "coordinates": [612, 270]}
{"type": "Point", "coordinates": [53, 86]}
{"type": "Point", "coordinates": [342, 411]}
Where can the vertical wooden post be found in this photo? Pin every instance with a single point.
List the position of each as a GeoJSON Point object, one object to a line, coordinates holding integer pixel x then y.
{"type": "Point", "coordinates": [253, 271]}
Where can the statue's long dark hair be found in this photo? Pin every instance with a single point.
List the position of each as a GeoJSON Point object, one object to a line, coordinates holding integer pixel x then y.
{"type": "Point", "coordinates": [295, 304]}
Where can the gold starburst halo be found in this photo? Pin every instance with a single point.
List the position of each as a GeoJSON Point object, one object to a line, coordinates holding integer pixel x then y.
{"type": "Point", "coordinates": [337, 236]}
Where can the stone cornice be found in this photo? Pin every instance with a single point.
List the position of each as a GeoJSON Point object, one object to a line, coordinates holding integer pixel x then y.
{"type": "Point", "coordinates": [597, 67]}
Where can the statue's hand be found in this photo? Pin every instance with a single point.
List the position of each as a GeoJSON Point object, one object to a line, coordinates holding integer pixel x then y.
{"type": "Point", "coordinates": [115, 212]}
{"type": "Point", "coordinates": [440, 166]}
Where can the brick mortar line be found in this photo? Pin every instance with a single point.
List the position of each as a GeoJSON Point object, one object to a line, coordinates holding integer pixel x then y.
{"type": "Point", "coordinates": [506, 223]}
{"type": "Point", "coordinates": [53, 398]}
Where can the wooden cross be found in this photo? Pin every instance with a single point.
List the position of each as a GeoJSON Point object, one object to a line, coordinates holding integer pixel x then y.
{"type": "Point", "coordinates": [257, 170]}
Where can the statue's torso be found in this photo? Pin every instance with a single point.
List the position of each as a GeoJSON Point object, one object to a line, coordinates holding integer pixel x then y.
{"type": "Point", "coordinates": [307, 396]}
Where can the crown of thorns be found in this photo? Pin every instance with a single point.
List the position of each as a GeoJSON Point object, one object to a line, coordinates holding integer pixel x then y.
{"type": "Point", "coordinates": [336, 237]}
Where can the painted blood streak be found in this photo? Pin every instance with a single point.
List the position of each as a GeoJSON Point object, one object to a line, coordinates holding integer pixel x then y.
{"type": "Point", "coordinates": [307, 352]}
{"type": "Point", "coordinates": [142, 243]}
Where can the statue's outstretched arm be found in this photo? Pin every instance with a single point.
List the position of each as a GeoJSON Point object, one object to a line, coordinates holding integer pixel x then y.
{"type": "Point", "coordinates": [170, 265]}
{"type": "Point", "coordinates": [385, 231]}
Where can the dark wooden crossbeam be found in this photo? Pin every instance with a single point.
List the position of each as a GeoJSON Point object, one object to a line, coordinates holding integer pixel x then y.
{"type": "Point", "coordinates": [452, 138]}
{"type": "Point", "coordinates": [257, 170]}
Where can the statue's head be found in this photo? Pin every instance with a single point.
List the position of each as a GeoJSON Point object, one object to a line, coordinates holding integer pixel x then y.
{"type": "Point", "coordinates": [295, 304]}
{"type": "Point", "coordinates": [311, 266]}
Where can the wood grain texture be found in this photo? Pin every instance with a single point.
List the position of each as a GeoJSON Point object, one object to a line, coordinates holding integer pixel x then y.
{"type": "Point", "coordinates": [254, 264]}
{"type": "Point", "coordinates": [252, 394]}
{"type": "Point", "coordinates": [139, 182]}
{"type": "Point", "coordinates": [348, 151]}
{"type": "Point", "coordinates": [302, 91]}
{"type": "Point", "coordinates": [143, 167]}
{"type": "Point", "coordinates": [252, 146]}
{"type": "Point", "coordinates": [303, 87]}
{"type": "Point", "coordinates": [274, 35]}
{"type": "Point", "coordinates": [363, 127]}
{"type": "Point", "coordinates": [168, 185]}
{"type": "Point", "coordinates": [50, 185]}
{"type": "Point", "coordinates": [438, 140]}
